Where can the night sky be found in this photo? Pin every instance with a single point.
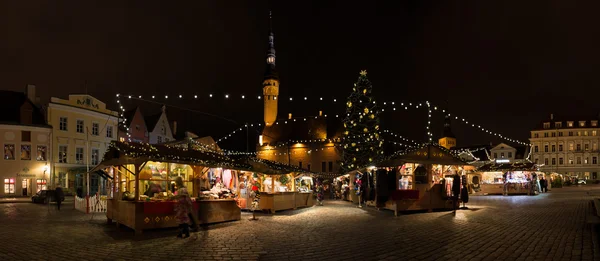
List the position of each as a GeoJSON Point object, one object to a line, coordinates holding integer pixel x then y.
{"type": "Point", "coordinates": [503, 64]}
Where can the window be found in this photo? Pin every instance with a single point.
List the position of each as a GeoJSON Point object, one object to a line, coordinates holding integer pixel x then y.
{"type": "Point", "coordinates": [553, 148]}
{"type": "Point", "coordinates": [331, 166]}
{"type": "Point", "coordinates": [323, 166]}
{"type": "Point", "coordinates": [586, 147]}
{"type": "Point", "coordinates": [545, 135]}
{"type": "Point", "coordinates": [63, 123]}
{"type": "Point", "coordinates": [535, 135]}
{"type": "Point", "coordinates": [594, 123]}
{"type": "Point", "coordinates": [536, 161]}
{"type": "Point", "coordinates": [560, 134]}
{"type": "Point", "coordinates": [558, 125]}
{"type": "Point", "coordinates": [159, 139]}
{"type": "Point", "coordinates": [582, 124]}
{"type": "Point", "coordinates": [578, 160]}
{"type": "Point", "coordinates": [109, 131]}
{"type": "Point", "coordinates": [9, 186]}
{"type": "Point", "coordinates": [578, 147]}
{"type": "Point", "coordinates": [137, 127]}
{"type": "Point", "coordinates": [595, 146]}
{"type": "Point", "coordinates": [308, 167]}
{"type": "Point", "coordinates": [62, 154]}
{"type": "Point", "coordinates": [545, 148]}
{"type": "Point", "coordinates": [560, 147]}
{"type": "Point", "coordinates": [535, 149]}
{"type": "Point", "coordinates": [586, 160]}
{"type": "Point", "coordinates": [95, 154]}
{"type": "Point", "coordinates": [594, 175]}
{"type": "Point", "coordinates": [95, 129]}
{"type": "Point", "coordinates": [594, 160]}
{"type": "Point", "coordinates": [510, 154]}
{"type": "Point", "coordinates": [26, 136]}
{"type": "Point", "coordinates": [495, 155]}
{"type": "Point", "coordinates": [62, 179]}
{"type": "Point", "coordinates": [594, 133]}
{"type": "Point", "coordinates": [501, 154]}
{"type": "Point", "coordinates": [300, 164]}
{"type": "Point", "coordinates": [9, 151]}
{"type": "Point", "coordinates": [79, 126]}
{"type": "Point", "coordinates": [546, 161]}
{"type": "Point", "coordinates": [560, 161]}
{"type": "Point", "coordinates": [546, 125]}
{"type": "Point", "coordinates": [553, 134]}
{"type": "Point", "coordinates": [553, 161]}
{"type": "Point", "coordinates": [571, 161]}
{"type": "Point", "coordinates": [41, 153]}
{"type": "Point", "coordinates": [579, 133]}
{"type": "Point", "coordinates": [41, 184]}
{"type": "Point", "coordinates": [571, 146]}
{"type": "Point", "coordinates": [570, 133]}
{"type": "Point", "coordinates": [79, 155]}
{"type": "Point", "coordinates": [25, 152]}
{"type": "Point", "coordinates": [585, 133]}
{"type": "Point", "coordinates": [570, 123]}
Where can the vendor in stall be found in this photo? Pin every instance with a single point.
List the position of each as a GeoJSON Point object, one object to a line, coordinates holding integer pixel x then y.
{"type": "Point", "coordinates": [152, 189]}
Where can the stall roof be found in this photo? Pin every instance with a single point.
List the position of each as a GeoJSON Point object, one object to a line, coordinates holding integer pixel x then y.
{"type": "Point", "coordinates": [121, 153]}
{"type": "Point", "coordinates": [517, 166]}
{"type": "Point", "coordinates": [426, 154]}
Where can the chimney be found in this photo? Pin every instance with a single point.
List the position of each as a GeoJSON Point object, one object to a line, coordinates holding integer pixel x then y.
{"type": "Point", "coordinates": [289, 116]}
{"type": "Point", "coordinates": [174, 128]}
{"type": "Point", "coordinates": [30, 92]}
{"type": "Point", "coordinates": [551, 116]}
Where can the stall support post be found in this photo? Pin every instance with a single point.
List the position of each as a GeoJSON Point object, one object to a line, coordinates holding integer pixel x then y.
{"type": "Point", "coordinates": [137, 181]}
{"type": "Point", "coordinates": [272, 184]}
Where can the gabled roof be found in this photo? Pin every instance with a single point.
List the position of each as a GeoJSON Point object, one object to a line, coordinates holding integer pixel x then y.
{"type": "Point", "coordinates": [426, 154]}
{"type": "Point", "coordinates": [10, 106]}
{"type": "Point", "coordinates": [151, 121]}
{"type": "Point", "coordinates": [480, 152]}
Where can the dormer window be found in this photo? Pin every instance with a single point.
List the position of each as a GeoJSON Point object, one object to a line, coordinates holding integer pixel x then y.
{"type": "Point", "coordinates": [570, 124]}
{"type": "Point", "coordinates": [558, 124]}
{"type": "Point", "coordinates": [581, 123]}
{"type": "Point", "coordinates": [271, 60]}
{"type": "Point", "coordinates": [594, 123]}
{"type": "Point", "coordinates": [546, 125]}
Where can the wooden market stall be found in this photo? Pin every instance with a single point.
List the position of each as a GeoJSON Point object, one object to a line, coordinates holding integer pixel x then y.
{"type": "Point", "coordinates": [278, 187]}
{"type": "Point", "coordinates": [144, 175]}
{"type": "Point", "coordinates": [519, 178]}
{"type": "Point", "coordinates": [420, 179]}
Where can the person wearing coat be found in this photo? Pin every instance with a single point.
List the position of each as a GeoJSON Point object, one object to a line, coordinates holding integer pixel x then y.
{"type": "Point", "coordinates": [59, 195]}
{"type": "Point", "coordinates": [455, 190]}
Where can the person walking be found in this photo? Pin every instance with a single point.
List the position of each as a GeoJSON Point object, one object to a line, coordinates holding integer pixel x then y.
{"type": "Point", "coordinates": [183, 208]}
{"type": "Point", "coordinates": [59, 195]}
{"type": "Point", "coordinates": [543, 184]}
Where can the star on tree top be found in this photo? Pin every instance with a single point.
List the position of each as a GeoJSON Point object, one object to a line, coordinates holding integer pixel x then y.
{"type": "Point", "coordinates": [363, 73]}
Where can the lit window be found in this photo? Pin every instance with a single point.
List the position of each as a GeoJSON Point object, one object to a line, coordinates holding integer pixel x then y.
{"type": "Point", "coordinates": [41, 185]}
{"type": "Point", "coordinates": [9, 186]}
{"type": "Point", "coordinates": [570, 124]}
{"type": "Point", "coordinates": [62, 154]}
{"type": "Point", "coordinates": [63, 123]}
{"type": "Point", "coordinates": [582, 124]}
{"type": "Point", "coordinates": [594, 133]}
{"type": "Point", "coordinates": [594, 123]}
{"type": "Point", "coordinates": [9, 151]}
{"type": "Point", "coordinates": [41, 153]}
{"type": "Point", "coordinates": [25, 152]}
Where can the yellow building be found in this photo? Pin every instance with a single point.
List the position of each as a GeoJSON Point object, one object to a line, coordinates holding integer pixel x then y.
{"type": "Point", "coordinates": [25, 137]}
{"type": "Point", "coordinates": [448, 141]}
{"type": "Point", "coordinates": [82, 130]}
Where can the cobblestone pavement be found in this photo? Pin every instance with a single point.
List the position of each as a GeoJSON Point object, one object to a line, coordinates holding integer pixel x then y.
{"type": "Point", "coordinates": [552, 226]}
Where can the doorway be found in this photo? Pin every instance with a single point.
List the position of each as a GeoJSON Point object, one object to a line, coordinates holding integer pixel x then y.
{"type": "Point", "coordinates": [25, 187]}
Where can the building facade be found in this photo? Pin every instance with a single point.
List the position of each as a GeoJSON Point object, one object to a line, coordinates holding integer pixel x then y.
{"type": "Point", "coordinates": [135, 130]}
{"type": "Point", "coordinates": [568, 147]}
{"type": "Point", "coordinates": [25, 137]}
{"type": "Point", "coordinates": [159, 130]}
{"type": "Point", "coordinates": [82, 130]}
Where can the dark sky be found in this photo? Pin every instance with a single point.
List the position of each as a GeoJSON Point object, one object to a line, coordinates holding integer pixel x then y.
{"type": "Point", "coordinates": [503, 64]}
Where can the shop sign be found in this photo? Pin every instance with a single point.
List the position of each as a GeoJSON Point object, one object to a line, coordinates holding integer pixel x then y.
{"type": "Point", "coordinates": [26, 175]}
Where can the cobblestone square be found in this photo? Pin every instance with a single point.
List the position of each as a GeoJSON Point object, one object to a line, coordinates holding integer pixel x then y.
{"type": "Point", "coordinates": [555, 226]}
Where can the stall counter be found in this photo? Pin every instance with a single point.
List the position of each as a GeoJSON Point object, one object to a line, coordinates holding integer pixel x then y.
{"type": "Point", "coordinates": [277, 201]}
{"type": "Point", "coordinates": [140, 215]}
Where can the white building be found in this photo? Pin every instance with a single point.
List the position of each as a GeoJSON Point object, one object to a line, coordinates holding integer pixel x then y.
{"type": "Point", "coordinates": [25, 136]}
{"type": "Point", "coordinates": [159, 129]}
{"type": "Point", "coordinates": [568, 147]}
{"type": "Point", "coordinates": [82, 131]}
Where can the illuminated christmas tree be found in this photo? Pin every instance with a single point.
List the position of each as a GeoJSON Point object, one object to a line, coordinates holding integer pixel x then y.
{"type": "Point", "coordinates": [362, 145]}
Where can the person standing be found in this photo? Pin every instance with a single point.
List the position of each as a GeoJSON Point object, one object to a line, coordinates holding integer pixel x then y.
{"type": "Point", "coordinates": [59, 195]}
{"type": "Point", "coordinates": [543, 184]}
{"type": "Point", "coordinates": [183, 208]}
{"type": "Point", "coordinates": [455, 191]}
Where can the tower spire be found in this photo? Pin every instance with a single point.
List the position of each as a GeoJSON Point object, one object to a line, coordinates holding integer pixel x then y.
{"type": "Point", "coordinates": [271, 80]}
{"type": "Point", "coordinates": [271, 50]}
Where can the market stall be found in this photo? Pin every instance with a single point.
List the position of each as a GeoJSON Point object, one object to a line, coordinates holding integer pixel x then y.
{"type": "Point", "coordinates": [144, 184]}
{"type": "Point", "coordinates": [509, 178]}
{"type": "Point", "coordinates": [420, 179]}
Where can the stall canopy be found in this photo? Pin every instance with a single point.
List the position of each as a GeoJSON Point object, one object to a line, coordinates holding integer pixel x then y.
{"type": "Point", "coordinates": [122, 153]}
{"type": "Point", "coordinates": [517, 166]}
{"type": "Point", "coordinates": [426, 154]}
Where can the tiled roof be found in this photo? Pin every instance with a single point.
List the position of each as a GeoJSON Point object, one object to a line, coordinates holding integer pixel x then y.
{"type": "Point", "coordinates": [10, 106]}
